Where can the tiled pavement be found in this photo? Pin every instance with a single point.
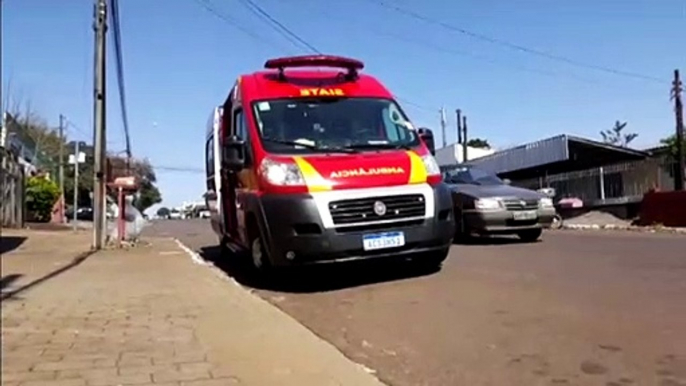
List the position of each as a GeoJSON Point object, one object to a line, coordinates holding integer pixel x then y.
{"type": "Point", "coordinates": [149, 316]}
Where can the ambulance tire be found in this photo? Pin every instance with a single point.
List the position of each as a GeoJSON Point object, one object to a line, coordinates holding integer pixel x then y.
{"type": "Point", "coordinates": [224, 250]}
{"type": "Point", "coordinates": [259, 257]}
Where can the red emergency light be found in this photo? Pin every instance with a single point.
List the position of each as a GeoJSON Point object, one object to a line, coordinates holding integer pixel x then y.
{"type": "Point", "coordinates": [352, 65]}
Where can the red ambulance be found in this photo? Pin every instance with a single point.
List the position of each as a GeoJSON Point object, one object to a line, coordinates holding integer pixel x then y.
{"type": "Point", "coordinates": [310, 161]}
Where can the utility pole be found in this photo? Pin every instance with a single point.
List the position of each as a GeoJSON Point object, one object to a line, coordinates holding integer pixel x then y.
{"type": "Point", "coordinates": [443, 122]}
{"type": "Point", "coordinates": [679, 114]}
{"type": "Point", "coordinates": [459, 126]}
{"type": "Point", "coordinates": [464, 138]}
{"type": "Point", "coordinates": [99, 178]}
{"type": "Point", "coordinates": [77, 160]}
{"type": "Point", "coordinates": [2, 104]}
{"type": "Point", "coordinates": [63, 199]}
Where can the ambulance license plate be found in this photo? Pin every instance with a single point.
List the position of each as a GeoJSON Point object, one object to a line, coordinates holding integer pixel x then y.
{"type": "Point", "coordinates": [383, 240]}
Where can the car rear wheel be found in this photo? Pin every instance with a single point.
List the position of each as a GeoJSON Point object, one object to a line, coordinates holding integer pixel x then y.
{"type": "Point", "coordinates": [530, 235]}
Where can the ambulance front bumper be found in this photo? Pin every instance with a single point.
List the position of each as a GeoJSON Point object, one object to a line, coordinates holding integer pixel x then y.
{"type": "Point", "coordinates": [297, 236]}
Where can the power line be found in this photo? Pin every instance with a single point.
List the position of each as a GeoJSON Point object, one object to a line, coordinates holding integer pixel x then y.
{"type": "Point", "coordinates": [274, 22]}
{"type": "Point", "coordinates": [513, 46]}
{"type": "Point", "coordinates": [277, 26]}
{"type": "Point", "coordinates": [178, 169]}
{"type": "Point", "coordinates": [119, 61]}
{"type": "Point", "coordinates": [462, 53]}
{"type": "Point", "coordinates": [209, 7]}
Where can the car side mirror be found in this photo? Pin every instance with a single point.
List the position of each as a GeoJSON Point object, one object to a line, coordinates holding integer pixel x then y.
{"type": "Point", "coordinates": [234, 153]}
{"type": "Point", "coordinates": [507, 181]}
{"type": "Point", "coordinates": [428, 137]}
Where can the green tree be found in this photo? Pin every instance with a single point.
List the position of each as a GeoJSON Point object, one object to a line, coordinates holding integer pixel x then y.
{"type": "Point", "coordinates": [41, 195]}
{"type": "Point", "coordinates": [478, 143]}
{"type": "Point", "coordinates": [616, 136]}
{"type": "Point", "coordinates": [163, 211]}
{"type": "Point", "coordinates": [670, 142]}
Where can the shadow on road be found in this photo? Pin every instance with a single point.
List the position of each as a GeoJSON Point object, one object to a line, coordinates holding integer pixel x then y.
{"type": "Point", "coordinates": [10, 243]}
{"type": "Point", "coordinates": [493, 240]}
{"type": "Point", "coordinates": [319, 278]}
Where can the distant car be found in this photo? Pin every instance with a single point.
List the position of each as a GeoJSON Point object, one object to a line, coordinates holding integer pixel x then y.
{"type": "Point", "coordinates": [485, 204]}
{"type": "Point", "coordinates": [204, 214]}
{"type": "Point", "coordinates": [175, 215]}
{"type": "Point", "coordinates": [82, 214]}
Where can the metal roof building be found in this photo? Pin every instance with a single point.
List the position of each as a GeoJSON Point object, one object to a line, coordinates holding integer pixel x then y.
{"type": "Point", "coordinates": [559, 154]}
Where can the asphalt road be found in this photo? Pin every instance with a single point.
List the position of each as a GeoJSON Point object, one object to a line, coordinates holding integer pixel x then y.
{"type": "Point", "coordinates": [578, 308]}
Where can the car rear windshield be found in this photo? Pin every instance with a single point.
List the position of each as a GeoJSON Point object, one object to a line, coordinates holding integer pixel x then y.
{"type": "Point", "coordinates": [472, 176]}
{"type": "Point", "coordinates": [332, 124]}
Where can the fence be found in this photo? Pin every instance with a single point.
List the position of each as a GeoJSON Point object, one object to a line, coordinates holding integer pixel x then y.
{"type": "Point", "coordinates": [609, 183]}
{"type": "Point", "coordinates": [12, 190]}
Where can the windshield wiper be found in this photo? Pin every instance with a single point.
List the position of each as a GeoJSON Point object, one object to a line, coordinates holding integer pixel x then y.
{"type": "Point", "coordinates": [380, 146]}
{"type": "Point", "coordinates": [310, 146]}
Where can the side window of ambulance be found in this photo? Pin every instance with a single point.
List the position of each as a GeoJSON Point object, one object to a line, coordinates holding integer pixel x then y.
{"type": "Point", "coordinates": [241, 130]}
{"type": "Point", "coordinates": [209, 165]}
{"type": "Point", "coordinates": [240, 127]}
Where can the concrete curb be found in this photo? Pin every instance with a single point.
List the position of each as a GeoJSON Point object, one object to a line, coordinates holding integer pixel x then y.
{"type": "Point", "coordinates": [631, 228]}
{"type": "Point", "coordinates": [370, 376]}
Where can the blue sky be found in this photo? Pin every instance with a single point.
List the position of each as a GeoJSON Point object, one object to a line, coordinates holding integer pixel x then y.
{"type": "Point", "coordinates": [180, 60]}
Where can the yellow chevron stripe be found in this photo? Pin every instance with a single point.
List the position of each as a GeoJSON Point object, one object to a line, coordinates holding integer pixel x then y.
{"type": "Point", "coordinates": [418, 173]}
{"type": "Point", "coordinates": [314, 181]}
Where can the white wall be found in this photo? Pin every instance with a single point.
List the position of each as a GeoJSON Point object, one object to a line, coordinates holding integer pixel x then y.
{"type": "Point", "coordinates": [452, 154]}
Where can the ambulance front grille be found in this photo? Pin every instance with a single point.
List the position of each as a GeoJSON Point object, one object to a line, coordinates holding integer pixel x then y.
{"type": "Point", "coordinates": [361, 210]}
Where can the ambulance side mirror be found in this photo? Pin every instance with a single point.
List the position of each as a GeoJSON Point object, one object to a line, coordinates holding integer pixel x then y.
{"type": "Point", "coordinates": [233, 154]}
{"type": "Point", "coordinates": [428, 137]}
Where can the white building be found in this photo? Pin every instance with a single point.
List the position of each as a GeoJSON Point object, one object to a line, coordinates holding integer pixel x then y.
{"type": "Point", "coordinates": [452, 154]}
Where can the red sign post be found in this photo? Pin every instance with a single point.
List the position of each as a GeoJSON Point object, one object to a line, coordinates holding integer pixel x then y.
{"type": "Point", "coordinates": [123, 185]}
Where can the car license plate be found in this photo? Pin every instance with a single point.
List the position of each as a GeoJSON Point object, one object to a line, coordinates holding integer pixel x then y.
{"type": "Point", "coordinates": [383, 240]}
{"type": "Point", "coordinates": [525, 215]}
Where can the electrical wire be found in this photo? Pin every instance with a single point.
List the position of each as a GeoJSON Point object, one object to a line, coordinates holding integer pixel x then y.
{"type": "Point", "coordinates": [209, 7]}
{"type": "Point", "coordinates": [274, 22]}
{"type": "Point", "coordinates": [177, 169]}
{"type": "Point", "coordinates": [277, 26]}
{"type": "Point", "coordinates": [119, 65]}
{"type": "Point", "coordinates": [513, 46]}
{"type": "Point", "coordinates": [461, 53]}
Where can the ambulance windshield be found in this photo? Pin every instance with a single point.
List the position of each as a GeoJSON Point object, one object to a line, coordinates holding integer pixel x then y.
{"type": "Point", "coordinates": [322, 124]}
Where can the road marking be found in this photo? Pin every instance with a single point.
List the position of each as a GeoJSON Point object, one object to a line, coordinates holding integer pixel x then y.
{"type": "Point", "coordinates": [194, 256]}
{"type": "Point", "coordinates": [197, 259]}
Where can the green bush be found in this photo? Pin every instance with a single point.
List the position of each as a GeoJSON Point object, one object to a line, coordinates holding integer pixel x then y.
{"type": "Point", "coordinates": [41, 195]}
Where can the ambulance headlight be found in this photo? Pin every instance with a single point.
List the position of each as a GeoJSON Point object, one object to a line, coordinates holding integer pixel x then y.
{"type": "Point", "coordinates": [281, 173]}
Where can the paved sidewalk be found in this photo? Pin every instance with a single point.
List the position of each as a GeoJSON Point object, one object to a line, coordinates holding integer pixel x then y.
{"type": "Point", "coordinates": [30, 257]}
{"type": "Point", "coordinates": [150, 316]}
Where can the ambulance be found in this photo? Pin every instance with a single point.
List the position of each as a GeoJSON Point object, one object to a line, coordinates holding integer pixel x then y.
{"type": "Point", "coordinates": [309, 161]}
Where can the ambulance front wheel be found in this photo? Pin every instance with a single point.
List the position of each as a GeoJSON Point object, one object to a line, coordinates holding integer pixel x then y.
{"type": "Point", "coordinates": [224, 250]}
{"type": "Point", "coordinates": [259, 256]}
